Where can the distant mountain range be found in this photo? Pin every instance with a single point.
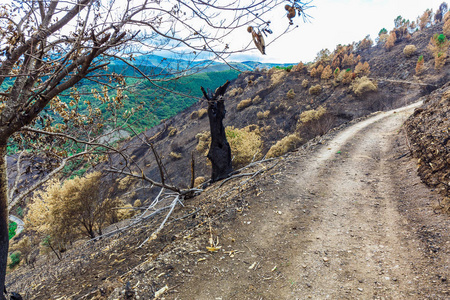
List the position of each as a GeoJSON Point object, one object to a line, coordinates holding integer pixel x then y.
{"type": "Point", "coordinates": [156, 64]}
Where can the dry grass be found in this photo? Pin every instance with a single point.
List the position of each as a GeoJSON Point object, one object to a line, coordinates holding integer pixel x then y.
{"type": "Point", "coordinates": [256, 100]}
{"type": "Point", "coordinates": [137, 203]}
{"type": "Point", "coordinates": [124, 183]}
{"type": "Point", "coordinates": [172, 131]}
{"type": "Point", "coordinates": [409, 50]}
{"type": "Point", "coordinates": [290, 94]}
{"type": "Point", "coordinates": [175, 155]}
{"type": "Point", "coordinates": [285, 145]}
{"type": "Point", "coordinates": [245, 143]}
{"type": "Point", "coordinates": [305, 83]}
{"type": "Point", "coordinates": [202, 113]}
{"type": "Point", "coordinates": [313, 114]}
{"type": "Point", "coordinates": [199, 180]}
{"type": "Point", "coordinates": [244, 104]}
{"type": "Point", "coordinates": [315, 122]}
{"type": "Point", "coordinates": [235, 92]}
{"type": "Point", "coordinates": [194, 115]}
{"type": "Point", "coordinates": [277, 76]}
{"type": "Point", "coordinates": [203, 141]}
{"type": "Point", "coordinates": [315, 90]}
{"type": "Point", "coordinates": [363, 85]}
{"type": "Point", "coordinates": [446, 28]}
{"type": "Point", "coordinates": [263, 114]}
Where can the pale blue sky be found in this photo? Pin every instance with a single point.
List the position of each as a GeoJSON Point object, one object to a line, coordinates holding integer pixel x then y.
{"type": "Point", "coordinates": [337, 22]}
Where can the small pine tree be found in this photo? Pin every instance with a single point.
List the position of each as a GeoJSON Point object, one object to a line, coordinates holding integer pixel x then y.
{"type": "Point", "coordinates": [420, 65]}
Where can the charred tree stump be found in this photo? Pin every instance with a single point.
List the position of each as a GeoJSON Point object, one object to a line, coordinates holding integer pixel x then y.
{"type": "Point", "coordinates": [219, 151]}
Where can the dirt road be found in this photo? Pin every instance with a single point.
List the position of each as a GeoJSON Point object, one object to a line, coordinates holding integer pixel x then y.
{"type": "Point", "coordinates": [349, 220]}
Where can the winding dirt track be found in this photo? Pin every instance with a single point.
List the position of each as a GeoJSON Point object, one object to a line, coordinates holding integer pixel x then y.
{"type": "Point", "coordinates": [329, 226]}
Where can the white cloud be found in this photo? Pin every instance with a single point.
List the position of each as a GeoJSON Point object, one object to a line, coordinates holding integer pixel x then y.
{"type": "Point", "coordinates": [339, 22]}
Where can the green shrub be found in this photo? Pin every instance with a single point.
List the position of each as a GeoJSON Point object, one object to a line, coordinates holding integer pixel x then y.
{"type": "Point", "coordinates": [12, 229]}
{"type": "Point", "coordinates": [288, 68]}
{"type": "Point", "coordinates": [15, 259]}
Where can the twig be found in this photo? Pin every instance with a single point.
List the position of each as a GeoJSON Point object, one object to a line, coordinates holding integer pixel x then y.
{"type": "Point", "coordinates": [154, 234]}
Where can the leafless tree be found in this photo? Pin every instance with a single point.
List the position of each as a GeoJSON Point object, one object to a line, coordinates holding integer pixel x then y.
{"type": "Point", "coordinates": [49, 46]}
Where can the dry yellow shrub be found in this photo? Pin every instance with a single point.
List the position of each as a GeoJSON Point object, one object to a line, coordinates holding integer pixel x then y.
{"type": "Point", "coordinates": [199, 180]}
{"type": "Point", "coordinates": [285, 145]}
{"type": "Point", "coordinates": [313, 114]}
{"type": "Point", "coordinates": [263, 115]}
{"type": "Point", "coordinates": [245, 144]}
{"type": "Point", "coordinates": [172, 131]}
{"type": "Point", "coordinates": [363, 85]}
{"type": "Point", "coordinates": [305, 83]}
{"type": "Point", "coordinates": [244, 104]}
{"type": "Point", "coordinates": [194, 115]}
{"type": "Point", "coordinates": [256, 100]}
{"type": "Point", "coordinates": [202, 112]}
{"type": "Point", "coordinates": [277, 76]}
{"type": "Point", "coordinates": [290, 94]}
{"type": "Point", "coordinates": [203, 141]}
{"type": "Point", "coordinates": [409, 50]}
{"type": "Point", "coordinates": [175, 155]}
{"type": "Point", "coordinates": [137, 203]}
{"type": "Point", "coordinates": [315, 90]}
{"type": "Point", "coordinates": [65, 211]}
{"type": "Point", "coordinates": [235, 92]}
{"type": "Point", "coordinates": [124, 183]}
{"type": "Point", "coordinates": [126, 211]}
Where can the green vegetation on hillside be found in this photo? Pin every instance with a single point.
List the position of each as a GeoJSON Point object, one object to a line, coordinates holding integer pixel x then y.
{"type": "Point", "coordinates": [12, 229]}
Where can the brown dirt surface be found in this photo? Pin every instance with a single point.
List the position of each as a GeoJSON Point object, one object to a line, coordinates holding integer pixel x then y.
{"type": "Point", "coordinates": [347, 221]}
{"type": "Point", "coordinates": [428, 129]}
{"type": "Point", "coordinates": [345, 217]}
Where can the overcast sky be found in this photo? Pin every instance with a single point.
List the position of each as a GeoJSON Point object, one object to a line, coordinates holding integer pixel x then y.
{"type": "Point", "coordinates": [337, 22]}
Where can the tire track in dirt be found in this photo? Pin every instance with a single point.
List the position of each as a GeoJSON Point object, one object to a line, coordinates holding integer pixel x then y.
{"type": "Point", "coordinates": [357, 249]}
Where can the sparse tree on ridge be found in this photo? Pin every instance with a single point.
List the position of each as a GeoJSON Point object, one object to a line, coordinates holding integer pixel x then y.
{"type": "Point", "coordinates": [49, 46]}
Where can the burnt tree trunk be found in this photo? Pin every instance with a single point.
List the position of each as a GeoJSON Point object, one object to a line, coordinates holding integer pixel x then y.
{"type": "Point", "coordinates": [4, 237]}
{"type": "Point", "coordinates": [219, 151]}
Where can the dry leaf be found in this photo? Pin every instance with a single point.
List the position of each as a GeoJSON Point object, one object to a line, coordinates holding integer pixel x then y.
{"type": "Point", "coordinates": [213, 249]}
{"type": "Point", "coordinates": [161, 291]}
